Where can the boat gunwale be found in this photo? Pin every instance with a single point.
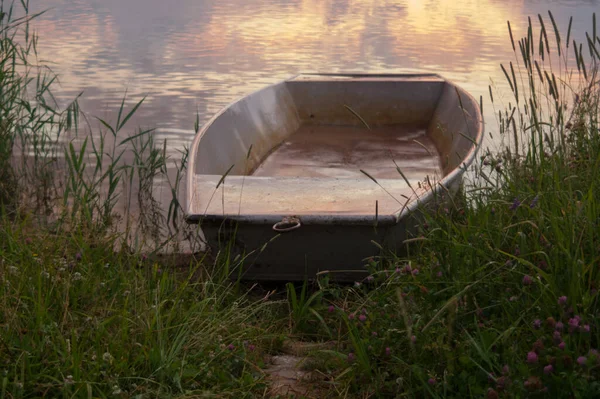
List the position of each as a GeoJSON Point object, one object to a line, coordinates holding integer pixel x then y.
{"type": "Point", "coordinates": [414, 201]}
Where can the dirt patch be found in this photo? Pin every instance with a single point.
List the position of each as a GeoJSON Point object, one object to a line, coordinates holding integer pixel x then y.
{"type": "Point", "coordinates": [287, 376]}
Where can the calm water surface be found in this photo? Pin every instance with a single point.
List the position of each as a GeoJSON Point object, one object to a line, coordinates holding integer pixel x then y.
{"type": "Point", "coordinates": [193, 56]}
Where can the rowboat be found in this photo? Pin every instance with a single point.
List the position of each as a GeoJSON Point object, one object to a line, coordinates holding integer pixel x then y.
{"type": "Point", "coordinates": [317, 173]}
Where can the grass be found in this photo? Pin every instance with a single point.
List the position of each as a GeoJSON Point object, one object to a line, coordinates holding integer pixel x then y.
{"type": "Point", "coordinates": [497, 298]}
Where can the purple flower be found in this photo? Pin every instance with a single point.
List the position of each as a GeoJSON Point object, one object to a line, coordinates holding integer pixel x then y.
{"type": "Point", "coordinates": [331, 308]}
{"type": "Point", "coordinates": [413, 339]}
{"type": "Point", "coordinates": [362, 318]}
{"type": "Point", "coordinates": [388, 351]}
{"type": "Point", "coordinates": [78, 256]}
{"type": "Point", "coordinates": [505, 369]}
{"type": "Point", "coordinates": [351, 357]}
{"type": "Point", "coordinates": [439, 274]}
{"type": "Point", "coordinates": [537, 323]}
{"type": "Point", "coordinates": [562, 300]}
{"type": "Point", "coordinates": [370, 278]}
{"type": "Point", "coordinates": [407, 269]}
{"type": "Point", "coordinates": [557, 337]}
{"type": "Point", "coordinates": [351, 316]}
{"type": "Point", "coordinates": [493, 211]}
{"type": "Point", "coordinates": [532, 357]}
{"type": "Point", "coordinates": [574, 322]}
{"type": "Point", "coordinates": [516, 203]}
{"type": "Point", "coordinates": [534, 202]}
{"type": "Point", "coordinates": [28, 240]}
{"type": "Point", "coordinates": [251, 348]}
{"type": "Point", "coordinates": [398, 270]}
{"type": "Point", "coordinates": [582, 360]}
{"type": "Point", "coordinates": [527, 280]}
{"type": "Point", "coordinates": [562, 345]}
{"type": "Point", "coordinates": [374, 333]}
{"type": "Point", "coordinates": [431, 381]}
{"type": "Point", "coordinates": [559, 326]}
{"type": "Point", "coordinates": [548, 369]}
{"type": "Point", "coordinates": [415, 272]}
{"type": "Point", "coordinates": [231, 347]}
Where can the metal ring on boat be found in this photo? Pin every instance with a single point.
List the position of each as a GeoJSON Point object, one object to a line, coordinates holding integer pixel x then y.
{"type": "Point", "coordinates": [288, 223]}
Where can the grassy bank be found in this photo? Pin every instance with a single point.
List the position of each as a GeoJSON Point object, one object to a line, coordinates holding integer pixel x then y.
{"type": "Point", "coordinates": [496, 297]}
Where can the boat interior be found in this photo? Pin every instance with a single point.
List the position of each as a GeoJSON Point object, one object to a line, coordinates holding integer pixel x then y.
{"type": "Point", "coordinates": [331, 144]}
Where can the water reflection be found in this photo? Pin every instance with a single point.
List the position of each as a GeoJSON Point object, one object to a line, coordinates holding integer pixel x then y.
{"type": "Point", "coordinates": [190, 55]}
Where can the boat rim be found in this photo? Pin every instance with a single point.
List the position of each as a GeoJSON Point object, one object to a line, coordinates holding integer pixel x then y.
{"type": "Point", "coordinates": [440, 187]}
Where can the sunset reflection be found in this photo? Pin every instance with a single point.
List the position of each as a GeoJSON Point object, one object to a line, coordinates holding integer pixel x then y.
{"type": "Point", "coordinates": [190, 55]}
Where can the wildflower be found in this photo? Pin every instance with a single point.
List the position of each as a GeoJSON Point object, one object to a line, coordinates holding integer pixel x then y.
{"type": "Point", "coordinates": [107, 357]}
{"type": "Point", "coordinates": [351, 316]}
{"type": "Point", "coordinates": [388, 351]}
{"type": "Point", "coordinates": [439, 274]}
{"type": "Point", "coordinates": [582, 360]}
{"type": "Point", "coordinates": [374, 333]}
{"type": "Point", "coordinates": [331, 308]}
{"type": "Point", "coordinates": [78, 256]}
{"type": "Point", "coordinates": [559, 326]}
{"type": "Point", "coordinates": [356, 284]}
{"type": "Point", "coordinates": [69, 380]}
{"type": "Point", "coordinates": [77, 276]}
{"type": "Point", "coordinates": [534, 202]}
{"type": "Point", "coordinates": [415, 272]}
{"type": "Point", "coordinates": [501, 383]}
{"type": "Point", "coordinates": [251, 347]}
{"type": "Point", "coordinates": [431, 381]}
{"type": "Point", "coordinates": [413, 339]}
{"type": "Point", "coordinates": [370, 278]}
{"type": "Point", "coordinates": [362, 318]}
{"type": "Point", "coordinates": [231, 347]}
{"type": "Point", "coordinates": [548, 369]}
{"type": "Point", "coordinates": [28, 240]}
{"type": "Point", "coordinates": [116, 390]}
{"type": "Point", "coordinates": [537, 323]}
{"type": "Point", "coordinates": [505, 369]}
{"type": "Point", "coordinates": [350, 357]}
{"type": "Point", "coordinates": [407, 269]}
{"type": "Point", "coordinates": [527, 280]}
{"type": "Point", "coordinates": [517, 251]}
{"type": "Point", "coordinates": [45, 274]}
{"type": "Point", "coordinates": [557, 337]}
{"type": "Point", "coordinates": [516, 203]}
{"type": "Point", "coordinates": [562, 301]}
{"type": "Point", "coordinates": [493, 211]}
{"type": "Point", "coordinates": [562, 345]}
{"type": "Point", "coordinates": [512, 298]}
{"type": "Point", "coordinates": [533, 383]}
{"type": "Point", "coordinates": [532, 357]}
{"type": "Point", "coordinates": [491, 394]}
{"type": "Point", "coordinates": [573, 323]}
{"type": "Point", "coordinates": [398, 270]}
{"type": "Point", "coordinates": [538, 346]}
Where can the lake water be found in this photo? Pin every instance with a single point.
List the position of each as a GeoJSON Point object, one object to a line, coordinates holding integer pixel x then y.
{"type": "Point", "coordinates": [192, 56]}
